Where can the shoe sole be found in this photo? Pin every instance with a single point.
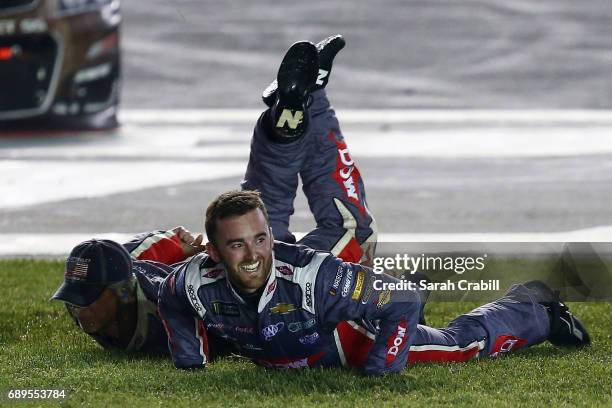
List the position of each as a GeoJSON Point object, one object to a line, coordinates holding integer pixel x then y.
{"type": "Point", "coordinates": [297, 75]}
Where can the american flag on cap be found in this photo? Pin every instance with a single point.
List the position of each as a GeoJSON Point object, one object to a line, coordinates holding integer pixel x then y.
{"type": "Point", "coordinates": [78, 270]}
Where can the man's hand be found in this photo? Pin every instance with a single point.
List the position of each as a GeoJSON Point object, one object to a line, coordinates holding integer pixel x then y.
{"type": "Point", "coordinates": [191, 244]}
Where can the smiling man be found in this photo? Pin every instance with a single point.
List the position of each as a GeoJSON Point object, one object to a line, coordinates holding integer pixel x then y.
{"type": "Point", "coordinates": [244, 242]}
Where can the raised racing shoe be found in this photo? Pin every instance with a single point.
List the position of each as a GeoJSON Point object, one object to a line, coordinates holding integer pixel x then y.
{"type": "Point", "coordinates": [296, 79]}
{"type": "Point", "coordinates": [327, 49]}
{"type": "Point", "coordinates": [565, 328]}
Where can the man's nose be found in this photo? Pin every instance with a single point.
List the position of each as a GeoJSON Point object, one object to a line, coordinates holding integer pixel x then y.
{"type": "Point", "coordinates": [250, 251]}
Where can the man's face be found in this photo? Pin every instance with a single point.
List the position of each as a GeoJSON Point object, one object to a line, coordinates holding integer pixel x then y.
{"type": "Point", "coordinates": [244, 244]}
{"type": "Point", "coordinates": [100, 317]}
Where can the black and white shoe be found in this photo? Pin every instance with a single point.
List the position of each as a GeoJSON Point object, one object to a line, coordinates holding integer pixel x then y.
{"type": "Point", "coordinates": [565, 328]}
{"type": "Point", "coordinates": [327, 49]}
{"type": "Point", "coordinates": [296, 80]}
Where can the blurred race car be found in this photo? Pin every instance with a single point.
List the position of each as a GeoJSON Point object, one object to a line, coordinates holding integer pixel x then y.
{"type": "Point", "coordinates": [59, 64]}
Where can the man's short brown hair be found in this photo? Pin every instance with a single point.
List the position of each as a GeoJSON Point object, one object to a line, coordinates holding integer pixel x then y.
{"type": "Point", "coordinates": [232, 203]}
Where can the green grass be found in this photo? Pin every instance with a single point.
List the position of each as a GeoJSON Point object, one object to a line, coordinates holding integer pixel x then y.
{"type": "Point", "coordinates": [40, 348]}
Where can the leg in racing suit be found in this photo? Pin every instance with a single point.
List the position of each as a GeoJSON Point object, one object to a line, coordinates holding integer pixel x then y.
{"type": "Point", "coordinates": [331, 182]}
{"type": "Point", "coordinates": [524, 316]}
{"type": "Point", "coordinates": [514, 321]}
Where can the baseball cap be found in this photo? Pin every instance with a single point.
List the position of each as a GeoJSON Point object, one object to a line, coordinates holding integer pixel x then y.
{"type": "Point", "coordinates": [90, 268]}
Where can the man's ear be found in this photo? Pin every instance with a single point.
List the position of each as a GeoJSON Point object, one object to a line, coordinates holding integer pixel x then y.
{"type": "Point", "coordinates": [213, 252]}
{"type": "Point", "coordinates": [271, 237]}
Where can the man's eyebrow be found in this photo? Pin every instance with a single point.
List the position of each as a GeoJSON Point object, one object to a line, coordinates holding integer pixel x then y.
{"type": "Point", "coordinates": [234, 241]}
{"type": "Point", "coordinates": [241, 240]}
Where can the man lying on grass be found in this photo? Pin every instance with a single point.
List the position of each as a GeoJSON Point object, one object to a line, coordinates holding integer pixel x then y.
{"type": "Point", "coordinates": [110, 290]}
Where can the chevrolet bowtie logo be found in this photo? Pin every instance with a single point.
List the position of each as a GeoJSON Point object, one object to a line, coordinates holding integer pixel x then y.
{"type": "Point", "coordinates": [283, 308]}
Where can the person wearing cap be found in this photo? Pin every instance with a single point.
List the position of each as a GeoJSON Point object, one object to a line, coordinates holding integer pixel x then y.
{"type": "Point", "coordinates": [110, 290]}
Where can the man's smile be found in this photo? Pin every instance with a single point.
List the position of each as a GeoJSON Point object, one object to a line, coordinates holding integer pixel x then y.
{"type": "Point", "coordinates": [250, 267]}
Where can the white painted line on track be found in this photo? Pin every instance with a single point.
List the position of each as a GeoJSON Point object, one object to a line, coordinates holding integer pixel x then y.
{"type": "Point", "coordinates": [143, 154]}
{"type": "Point", "coordinates": [26, 183]}
{"type": "Point", "coordinates": [202, 142]}
{"type": "Point", "coordinates": [14, 245]}
{"type": "Point", "coordinates": [386, 116]}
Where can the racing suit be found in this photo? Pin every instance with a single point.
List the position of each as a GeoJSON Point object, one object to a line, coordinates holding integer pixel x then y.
{"type": "Point", "coordinates": [295, 323]}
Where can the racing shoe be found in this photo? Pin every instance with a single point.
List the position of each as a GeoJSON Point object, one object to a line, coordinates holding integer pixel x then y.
{"type": "Point", "coordinates": [327, 49]}
{"type": "Point", "coordinates": [565, 328]}
{"type": "Point", "coordinates": [296, 78]}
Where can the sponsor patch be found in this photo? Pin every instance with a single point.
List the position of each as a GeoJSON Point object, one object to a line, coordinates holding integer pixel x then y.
{"type": "Point", "coordinates": [396, 342]}
{"type": "Point", "coordinates": [272, 330]}
{"type": "Point", "coordinates": [504, 344]}
{"type": "Point", "coordinates": [297, 326]}
{"type": "Point", "coordinates": [291, 118]}
{"type": "Point", "coordinates": [217, 326]}
{"type": "Point", "coordinates": [194, 298]}
{"type": "Point", "coordinates": [339, 274]}
{"type": "Point", "coordinates": [271, 288]}
{"type": "Point", "coordinates": [348, 280]}
{"type": "Point", "coordinates": [290, 363]}
{"type": "Point", "coordinates": [285, 270]}
{"type": "Point", "coordinates": [309, 294]}
{"type": "Point", "coordinates": [309, 338]}
{"type": "Point", "coordinates": [383, 298]}
{"type": "Point", "coordinates": [347, 174]}
{"type": "Point", "coordinates": [225, 309]}
{"type": "Point", "coordinates": [283, 308]}
{"type": "Point", "coordinates": [369, 288]}
{"type": "Point", "coordinates": [358, 285]}
{"type": "Point", "coordinates": [244, 329]}
{"type": "Point", "coordinates": [251, 347]}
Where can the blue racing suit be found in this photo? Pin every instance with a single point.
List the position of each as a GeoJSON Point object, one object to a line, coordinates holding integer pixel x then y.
{"type": "Point", "coordinates": [307, 295]}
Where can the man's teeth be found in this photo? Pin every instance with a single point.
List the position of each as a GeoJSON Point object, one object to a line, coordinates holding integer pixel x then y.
{"type": "Point", "coordinates": [250, 267]}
